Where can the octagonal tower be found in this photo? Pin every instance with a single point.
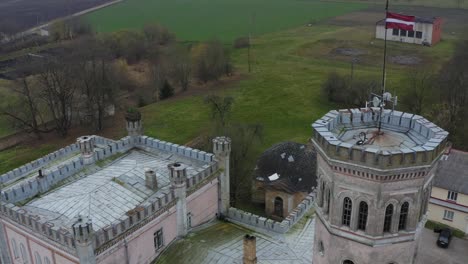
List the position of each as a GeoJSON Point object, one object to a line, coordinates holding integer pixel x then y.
{"type": "Point", "coordinates": [373, 186]}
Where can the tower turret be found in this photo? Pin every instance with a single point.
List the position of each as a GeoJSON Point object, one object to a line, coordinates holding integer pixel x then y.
{"type": "Point", "coordinates": [134, 123]}
{"type": "Point", "coordinates": [222, 151]}
{"type": "Point", "coordinates": [178, 178]}
{"type": "Point", "coordinates": [83, 234]}
{"type": "Point", "coordinates": [86, 145]}
{"type": "Point", "coordinates": [375, 169]}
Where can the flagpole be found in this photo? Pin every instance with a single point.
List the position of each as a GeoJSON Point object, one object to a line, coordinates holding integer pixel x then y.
{"type": "Point", "coordinates": [385, 50]}
{"type": "Point", "coordinates": [383, 69]}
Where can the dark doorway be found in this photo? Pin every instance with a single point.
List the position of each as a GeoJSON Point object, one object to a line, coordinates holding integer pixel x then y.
{"type": "Point", "coordinates": [278, 207]}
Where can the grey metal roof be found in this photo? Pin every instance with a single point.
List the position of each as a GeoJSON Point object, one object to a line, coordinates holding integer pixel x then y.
{"type": "Point", "coordinates": [452, 172]}
{"type": "Point", "coordinates": [295, 163]}
{"type": "Point", "coordinates": [108, 194]}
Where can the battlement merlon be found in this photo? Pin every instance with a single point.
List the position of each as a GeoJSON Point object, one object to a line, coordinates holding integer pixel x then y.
{"type": "Point", "coordinates": [407, 140]}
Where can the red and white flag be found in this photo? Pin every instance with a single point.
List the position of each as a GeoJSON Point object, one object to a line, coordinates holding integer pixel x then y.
{"type": "Point", "coordinates": [400, 21]}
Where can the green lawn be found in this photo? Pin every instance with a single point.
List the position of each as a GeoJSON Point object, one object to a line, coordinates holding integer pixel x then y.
{"type": "Point", "coordinates": [193, 20]}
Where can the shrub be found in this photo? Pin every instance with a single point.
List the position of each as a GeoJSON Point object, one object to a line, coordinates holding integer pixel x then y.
{"type": "Point", "coordinates": [166, 91]}
{"type": "Point", "coordinates": [435, 225]}
{"type": "Point", "coordinates": [242, 42]}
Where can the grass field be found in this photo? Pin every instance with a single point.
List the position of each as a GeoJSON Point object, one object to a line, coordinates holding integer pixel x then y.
{"type": "Point", "coordinates": [193, 20]}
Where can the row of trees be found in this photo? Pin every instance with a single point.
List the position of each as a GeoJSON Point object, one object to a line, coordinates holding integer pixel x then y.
{"type": "Point", "coordinates": [79, 81]}
{"type": "Point", "coordinates": [78, 84]}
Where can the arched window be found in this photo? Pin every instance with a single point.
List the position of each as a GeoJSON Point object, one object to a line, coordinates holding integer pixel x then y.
{"type": "Point", "coordinates": [348, 262]}
{"type": "Point", "coordinates": [328, 201]}
{"type": "Point", "coordinates": [403, 216]}
{"type": "Point", "coordinates": [362, 219]}
{"type": "Point", "coordinates": [388, 218]}
{"type": "Point", "coordinates": [47, 260]}
{"type": "Point", "coordinates": [24, 255]}
{"type": "Point", "coordinates": [15, 248]}
{"type": "Point", "coordinates": [347, 207]}
{"type": "Point", "coordinates": [322, 193]}
{"type": "Point", "coordinates": [278, 207]}
{"type": "Point", "coordinates": [37, 258]}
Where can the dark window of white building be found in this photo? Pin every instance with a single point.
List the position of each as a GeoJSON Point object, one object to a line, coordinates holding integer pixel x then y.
{"type": "Point", "coordinates": [402, 33]}
{"type": "Point", "coordinates": [419, 34]}
{"type": "Point", "coordinates": [395, 32]}
{"type": "Point", "coordinates": [347, 207]}
{"type": "Point", "coordinates": [411, 34]}
{"type": "Point", "coordinates": [452, 196]}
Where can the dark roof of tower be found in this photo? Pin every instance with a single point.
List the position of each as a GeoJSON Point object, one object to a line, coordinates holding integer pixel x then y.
{"type": "Point", "coordinates": [452, 172]}
{"type": "Point", "coordinates": [294, 163]}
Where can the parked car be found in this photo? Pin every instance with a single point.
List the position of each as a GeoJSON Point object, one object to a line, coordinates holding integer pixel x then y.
{"type": "Point", "coordinates": [445, 235]}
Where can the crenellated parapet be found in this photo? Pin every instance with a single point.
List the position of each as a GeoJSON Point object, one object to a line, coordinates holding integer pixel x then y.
{"type": "Point", "coordinates": [59, 236]}
{"type": "Point", "coordinates": [37, 164]}
{"type": "Point", "coordinates": [350, 135]}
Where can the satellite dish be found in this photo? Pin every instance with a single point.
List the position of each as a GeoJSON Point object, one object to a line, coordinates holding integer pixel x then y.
{"type": "Point", "coordinates": [376, 101]}
{"type": "Point", "coordinates": [387, 96]}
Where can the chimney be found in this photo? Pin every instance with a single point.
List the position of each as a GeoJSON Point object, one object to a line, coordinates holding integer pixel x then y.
{"type": "Point", "coordinates": [151, 180]}
{"type": "Point", "coordinates": [250, 249]}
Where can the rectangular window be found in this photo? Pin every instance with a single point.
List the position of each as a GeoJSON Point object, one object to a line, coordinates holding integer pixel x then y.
{"type": "Point", "coordinates": [448, 215]}
{"type": "Point", "coordinates": [411, 34]}
{"type": "Point", "coordinates": [419, 34]}
{"type": "Point", "coordinates": [158, 239]}
{"type": "Point", "coordinates": [452, 196]}
{"type": "Point", "coordinates": [395, 32]}
{"type": "Point", "coordinates": [402, 33]}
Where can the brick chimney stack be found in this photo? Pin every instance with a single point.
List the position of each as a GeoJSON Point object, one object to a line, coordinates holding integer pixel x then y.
{"type": "Point", "coordinates": [250, 250]}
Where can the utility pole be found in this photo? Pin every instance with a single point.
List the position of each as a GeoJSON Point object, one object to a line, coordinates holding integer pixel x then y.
{"type": "Point", "coordinates": [252, 25]}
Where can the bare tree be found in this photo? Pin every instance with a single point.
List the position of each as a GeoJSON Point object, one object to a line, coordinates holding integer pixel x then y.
{"type": "Point", "coordinates": [420, 83]}
{"type": "Point", "coordinates": [181, 67]}
{"type": "Point", "coordinates": [220, 108]}
{"type": "Point", "coordinates": [96, 80]}
{"type": "Point", "coordinates": [246, 138]}
{"type": "Point", "coordinates": [25, 111]}
{"type": "Point", "coordinates": [58, 91]}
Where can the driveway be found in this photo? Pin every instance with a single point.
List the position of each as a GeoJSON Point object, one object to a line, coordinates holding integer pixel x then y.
{"type": "Point", "coordinates": [430, 253]}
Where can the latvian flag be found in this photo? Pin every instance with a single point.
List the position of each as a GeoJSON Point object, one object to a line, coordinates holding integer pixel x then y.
{"type": "Point", "coordinates": [400, 21]}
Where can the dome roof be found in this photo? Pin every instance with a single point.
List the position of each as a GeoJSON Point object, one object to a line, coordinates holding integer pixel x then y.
{"type": "Point", "coordinates": [288, 166]}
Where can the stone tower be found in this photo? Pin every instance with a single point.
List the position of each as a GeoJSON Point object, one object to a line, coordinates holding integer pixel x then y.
{"type": "Point", "coordinates": [134, 123]}
{"type": "Point", "coordinates": [222, 150]}
{"type": "Point", "coordinates": [178, 177]}
{"type": "Point", "coordinates": [84, 234]}
{"type": "Point", "coordinates": [86, 145]}
{"type": "Point", "coordinates": [373, 186]}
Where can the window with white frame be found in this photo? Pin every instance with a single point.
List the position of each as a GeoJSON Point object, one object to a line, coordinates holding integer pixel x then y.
{"type": "Point", "coordinates": [452, 196]}
{"type": "Point", "coordinates": [448, 215]}
{"type": "Point", "coordinates": [158, 239]}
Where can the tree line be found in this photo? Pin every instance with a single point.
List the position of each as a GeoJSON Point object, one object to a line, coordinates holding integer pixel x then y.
{"type": "Point", "coordinates": [81, 81]}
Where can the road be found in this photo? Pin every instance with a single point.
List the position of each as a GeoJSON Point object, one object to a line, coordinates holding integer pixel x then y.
{"type": "Point", "coordinates": [430, 253]}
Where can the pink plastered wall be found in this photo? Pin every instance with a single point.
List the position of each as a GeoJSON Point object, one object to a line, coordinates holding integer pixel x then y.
{"type": "Point", "coordinates": [33, 246]}
{"type": "Point", "coordinates": [202, 204]}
